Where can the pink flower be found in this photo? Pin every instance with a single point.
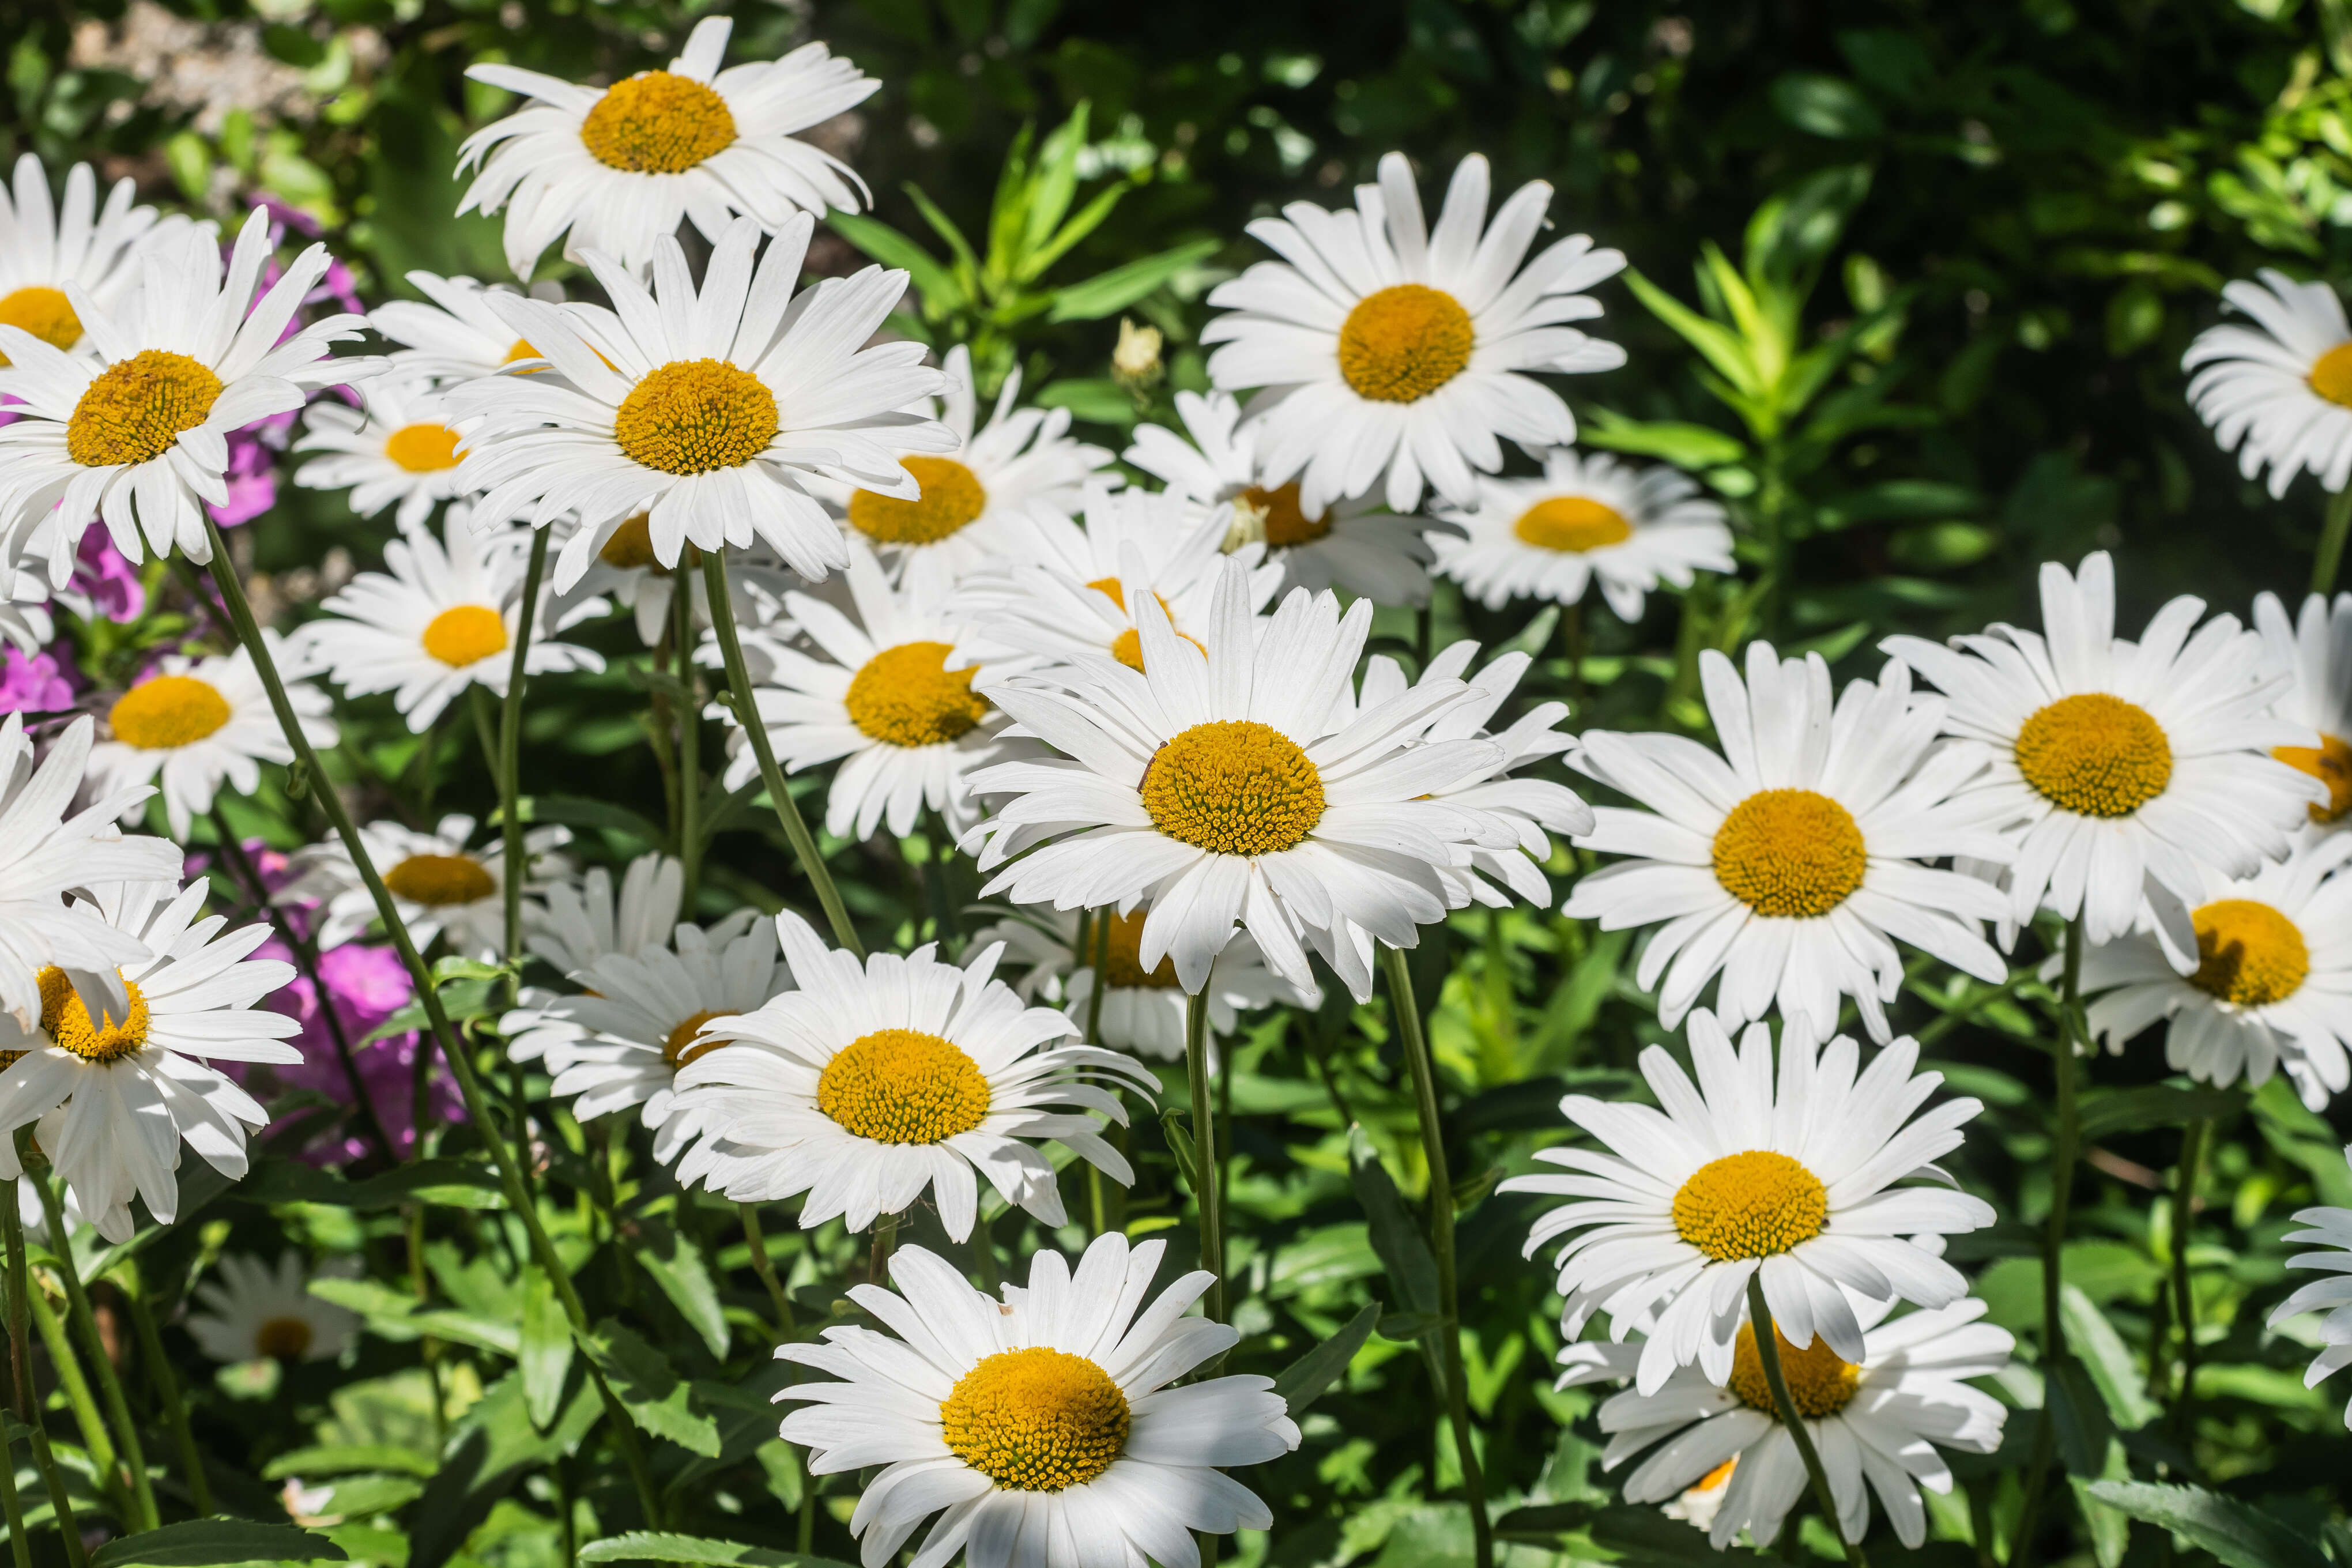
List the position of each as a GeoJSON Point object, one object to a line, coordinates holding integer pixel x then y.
{"type": "Point", "coordinates": [37, 684]}
{"type": "Point", "coordinates": [108, 580]}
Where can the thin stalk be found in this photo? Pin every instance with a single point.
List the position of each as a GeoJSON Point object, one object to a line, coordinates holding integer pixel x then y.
{"type": "Point", "coordinates": [509, 758]}
{"type": "Point", "coordinates": [1768, 1351]}
{"type": "Point", "coordinates": [1440, 1239]}
{"type": "Point", "coordinates": [74, 1384]}
{"type": "Point", "coordinates": [1209, 1201]}
{"type": "Point", "coordinates": [167, 1389]}
{"type": "Point", "coordinates": [20, 1361]}
{"type": "Point", "coordinates": [1111, 1212]}
{"type": "Point", "coordinates": [757, 1240]}
{"type": "Point", "coordinates": [885, 1237]}
{"type": "Point", "coordinates": [1572, 638]}
{"type": "Point", "coordinates": [747, 713]}
{"type": "Point", "coordinates": [109, 1386]}
{"type": "Point", "coordinates": [2330, 553]}
{"type": "Point", "coordinates": [2053, 1243]}
{"type": "Point", "coordinates": [20, 1545]}
{"type": "Point", "coordinates": [2184, 1198]}
{"type": "Point", "coordinates": [689, 750]}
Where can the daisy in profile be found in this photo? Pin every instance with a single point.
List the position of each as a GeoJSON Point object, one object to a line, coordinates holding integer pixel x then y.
{"type": "Point", "coordinates": [440, 885]}
{"type": "Point", "coordinates": [47, 253]}
{"type": "Point", "coordinates": [138, 433]}
{"type": "Point", "coordinates": [1383, 349]}
{"type": "Point", "coordinates": [2330, 1232]}
{"type": "Point", "coordinates": [1791, 864]}
{"type": "Point", "coordinates": [1590, 519]}
{"type": "Point", "coordinates": [456, 336]}
{"type": "Point", "coordinates": [2122, 769]}
{"type": "Point", "coordinates": [112, 1095]}
{"type": "Point", "coordinates": [195, 723]}
{"type": "Point", "coordinates": [1788, 1178]}
{"type": "Point", "coordinates": [1046, 1416]}
{"type": "Point", "coordinates": [25, 623]}
{"type": "Point", "coordinates": [710, 411]}
{"type": "Point", "coordinates": [442, 616]}
{"type": "Point", "coordinates": [875, 1082]}
{"type": "Point", "coordinates": [399, 447]}
{"type": "Point", "coordinates": [1350, 544]}
{"type": "Point", "coordinates": [2316, 647]}
{"type": "Point", "coordinates": [571, 924]}
{"type": "Point", "coordinates": [2279, 390]}
{"type": "Point", "coordinates": [252, 1311]}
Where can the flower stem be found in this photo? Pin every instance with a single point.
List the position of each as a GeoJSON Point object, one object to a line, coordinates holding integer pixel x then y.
{"type": "Point", "coordinates": [20, 1370]}
{"type": "Point", "coordinates": [2053, 1246]}
{"type": "Point", "coordinates": [109, 1386]}
{"type": "Point", "coordinates": [19, 1543]}
{"type": "Point", "coordinates": [1768, 1351]}
{"type": "Point", "coordinates": [167, 1387]}
{"type": "Point", "coordinates": [510, 759]}
{"type": "Point", "coordinates": [757, 1240]}
{"type": "Point", "coordinates": [2183, 1419]}
{"type": "Point", "coordinates": [75, 1387]}
{"type": "Point", "coordinates": [690, 758]}
{"type": "Point", "coordinates": [747, 713]}
{"type": "Point", "coordinates": [886, 1238]}
{"type": "Point", "coordinates": [1209, 1201]}
{"type": "Point", "coordinates": [2330, 553]}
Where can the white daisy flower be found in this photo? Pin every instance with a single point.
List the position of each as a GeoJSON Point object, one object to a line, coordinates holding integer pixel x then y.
{"type": "Point", "coordinates": [400, 447]}
{"type": "Point", "coordinates": [441, 617]}
{"type": "Point", "coordinates": [1590, 519]}
{"type": "Point", "coordinates": [873, 1082]}
{"type": "Point", "coordinates": [440, 886]}
{"type": "Point", "coordinates": [138, 434]}
{"type": "Point", "coordinates": [111, 1096]}
{"type": "Point", "coordinates": [2122, 769]}
{"type": "Point", "coordinates": [47, 255]}
{"type": "Point", "coordinates": [1044, 1424]}
{"type": "Point", "coordinates": [712, 410]}
{"type": "Point", "coordinates": [624, 573]}
{"type": "Point", "coordinates": [25, 621]}
{"type": "Point", "coordinates": [2316, 648]}
{"type": "Point", "coordinates": [1740, 1177]}
{"type": "Point", "coordinates": [1793, 864]}
{"type": "Point", "coordinates": [572, 925]}
{"type": "Point", "coordinates": [2280, 390]}
{"type": "Point", "coordinates": [457, 337]}
{"type": "Point", "coordinates": [1384, 348]}
{"type": "Point", "coordinates": [252, 1311]}
{"type": "Point", "coordinates": [2331, 1231]}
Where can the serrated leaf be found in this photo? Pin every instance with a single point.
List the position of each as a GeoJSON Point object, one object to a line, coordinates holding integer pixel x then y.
{"type": "Point", "coordinates": [199, 1542]}
{"type": "Point", "coordinates": [1304, 1381]}
{"type": "Point", "coordinates": [660, 1546]}
{"type": "Point", "coordinates": [656, 1397]}
{"type": "Point", "coordinates": [678, 1267]}
{"type": "Point", "coordinates": [2239, 1536]}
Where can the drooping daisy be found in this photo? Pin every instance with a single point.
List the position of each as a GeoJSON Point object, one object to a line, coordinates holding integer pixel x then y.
{"type": "Point", "coordinates": [1350, 544]}
{"type": "Point", "coordinates": [1383, 349]}
{"type": "Point", "coordinates": [572, 925]}
{"type": "Point", "coordinates": [112, 1095]}
{"type": "Point", "coordinates": [710, 410]}
{"type": "Point", "coordinates": [874, 1082]}
{"type": "Point", "coordinates": [1590, 519]}
{"type": "Point", "coordinates": [441, 617]}
{"type": "Point", "coordinates": [457, 337]}
{"type": "Point", "coordinates": [26, 622]}
{"type": "Point", "coordinates": [1742, 1177]}
{"type": "Point", "coordinates": [252, 1309]}
{"type": "Point", "coordinates": [400, 447]}
{"type": "Point", "coordinates": [2331, 1230]}
{"type": "Point", "coordinates": [46, 254]}
{"type": "Point", "coordinates": [138, 434]}
{"type": "Point", "coordinates": [2317, 648]}
{"type": "Point", "coordinates": [440, 886]}
{"type": "Point", "coordinates": [2279, 391]}
{"type": "Point", "coordinates": [2122, 769]}
{"type": "Point", "coordinates": [618, 170]}
{"type": "Point", "coordinates": [198, 722]}
{"type": "Point", "coordinates": [1043, 1424]}
{"type": "Point", "coordinates": [1793, 864]}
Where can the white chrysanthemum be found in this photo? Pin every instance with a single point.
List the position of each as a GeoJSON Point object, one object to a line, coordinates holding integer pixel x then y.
{"type": "Point", "coordinates": [400, 447]}
{"type": "Point", "coordinates": [874, 1082]}
{"type": "Point", "coordinates": [1350, 544]}
{"type": "Point", "coordinates": [2122, 769]}
{"type": "Point", "coordinates": [1384, 348]}
{"type": "Point", "coordinates": [138, 434]}
{"type": "Point", "coordinates": [1590, 519]}
{"type": "Point", "coordinates": [441, 617]}
{"type": "Point", "coordinates": [111, 1097]}
{"type": "Point", "coordinates": [457, 337]}
{"type": "Point", "coordinates": [440, 886]}
{"type": "Point", "coordinates": [1044, 1424]}
{"type": "Point", "coordinates": [572, 925]}
{"type": "Point", "coordinates": [1793, 863]}
{"type": "Point", "coordinates": [2279, 391]}
{"type": "Point", "coordinates": [252, 1311]}
{"type": "Point", "coordinates": [1740, 1177]}
{"type": "Point", "coordinates": [2315, 650]}
{"type": "Point", "coordinates": [2331, 1231]}
{"type": "Point", "coordinates": [710, 410]}
{"type": "Point", "coordinates": [48, 254]}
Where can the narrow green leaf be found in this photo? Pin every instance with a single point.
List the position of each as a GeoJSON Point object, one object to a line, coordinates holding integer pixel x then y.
{"type": "Point", "coordinates": [200, 1542]}
{"type": "Point", "coordinates": [944, 227]}
{"type": "Point", "coordinates": [2239, 1536]}
{"type": "Point", "coordinates": [1684, 446]}
{"type": "Point", "coordinates": [1091, 218]}
{"type": "Point", "coordinates": [2106, 1358]}
{"type": "Point", "coordinates": [335, 1459]}
{"type": "Point", "coordinates": [1304, 1381]}
{"type": "Point", "coordinates": [678, 1267]}
{"type": "Point", "coordinates": [1721, 346]}
{"type": "Point", "coordinates": [660, 1546]}
{"type": "Point", "coordinates": [1058, 181]}
{"type": "Point", "coordinates": [655, 1397]}
{"type": "Point", "coordinates": [1115, 290]}
{"type": "Point", "coordinates": [2153, 1105]}
{"type": "Point", "coordinates": [1396, 1233]}
{"type": "Point", "coordinates": [2071, 1400]}
{"type": "Point", "coordinates": [544, 1353]}
{"type": "Point", "coordinates": [936, 285]}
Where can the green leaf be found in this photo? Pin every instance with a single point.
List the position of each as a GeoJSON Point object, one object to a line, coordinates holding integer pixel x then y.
{"type": "Point", "coordinates": [1396, 1233]}
{"type": "Point", "coordinates": [1721, 346]}
{"type": "Point", "coordinates": [659, 1546]}
{"type": "Point", "coordinates": [2106, 1358]}
{"type": "Point", "coordinates": [198, 1542]}
{"type": "Point", "coordinates": [335, 1459]}
{"type": "Point", "coordinates": [1095, 400]}
{"type": "Point", "coordinates": [1109, 292]}
{"type": "Point", "coordinates": [1089, 218]}
{"type": "Point", "coordinates": [1178, 1130]}
{"type": "Point", "coordinates": [1826, 106]}
{"type": "Point", "coordinates": [944, 227]}
{"type": "Point", "coordinates": [656, 1397]}
{"type": "Point", "coordinates": [676, 1265]}
{"type": "Point", "coordinates": [939, 290]}
{"type": "Point", "coordinates": [2071, 1401]}
{"type": "Point", "coordinates": [543, 1356]}
{"type": "Point", "coordinates": [1056, 183]}
{"type": "Point", "coordinates": [489, 1450]}
{"type": "Point", "coordinates": [394, 1315]}
{"type": "Point", "coordinates": [1683, 445]}
{"type": "Point", "coordinates": [275, 1180]}
{"type": "Point", "coordinates": [1304, 1381]}
{"type": "Point", "coordinates": [2239, 1536]}
{"type": "Point", "coordinates": [2155, 1105]}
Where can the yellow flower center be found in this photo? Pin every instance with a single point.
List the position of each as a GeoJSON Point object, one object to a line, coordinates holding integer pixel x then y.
{"type": "Point", "coordinates": [2331, 374]}
{"type": "Point", "coordinates": [523, 350]}
{"type": "Point", "coordinates": [459, 636]}
{"type": "Point", "coordinates": [1233, 786]}
{"type": "Point", "coordinates": [2330, 763]}
{"type": "Point", "coordinates": [1789, 854]}
{"type": "Point", "coordinates": [631, 548]}
{"type": "Point", "coordinates": [692, 415]}
{"type": "Point", "coordinates": [1035, 1420]}
{"type": "Point", "coordinates": [1405, 343]}
{"type": "Point", "coordinates": [1572, 524]}
{"type": "Point", "coordinates": [1750, 1205]}
{"type": "Point", "coordinates": [680, 1046]}
{"type": "Point", "coordinates": [2094, 755]}
{"type": "Point", "coordinates": [422, 448]}
{"type": "Point", "coordinates": [951, 497]}
{"type": "Point", "coordinates": [1284, 522]}
{"type": "Point", "coordinates": [65, 1018]}
{"type": "Point", "coordinates": [906, 696]}
{"type": "Point", "coordinates": [46, 313]}
{"type": "Point", "coordinates": [1819, 1381]}
{"type": "Point", "coordinates": [134, 410]}
{"type": "Point", "coordinates": [435, 880]}
{"type": "Point", "coordinates": [1123, 962]}
{"type": "Point", "coordinates": [2248, 953]}
{"type": "Point", "coordinates": [167, 711]}
{"type": "Point", "coordinates": [283, 1339]}
{"type": "Point", "coordinates": [1127, 647]}
{"type": "Point", "coordinates": [658, 124]}
{"type": "Point", "coordinates": [903, 1085]}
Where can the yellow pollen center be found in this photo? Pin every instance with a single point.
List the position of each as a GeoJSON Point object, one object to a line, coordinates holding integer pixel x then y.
{"type": "Point", "coordinates": [1789, 854]}
{"type": "Point", "coordinates": [1233, 786]}
{"type": "Point", "coordinates": [658, 124]}
{"type": "Point", "coordinates": [2331, 374]}
{"type": "Point", "coordinates": [1750, 1205]}
{"type": "Point", "coordinates": [1284, 520]}
{"type": "Point", "coordinates": [680, 1046]}
{"type": "Point", "coordinates": [134, 410]}
{"type": "Point", "coordinates": [951, 497]}
{"type": "Point", "coordinates": [282, 1338]}
{"type": "Point", "coordinates": [168, 710]}
{"type": "Point", "coordinates": [1123, 962]}
{"type": "Point", "coordinates": [903, 1085]}
{"type": "Point", "coordinates": [46, 313]}
{"type": "Point", "coordinates": [1821, 1382]}
{"type": "Point", "coordinates": [466, 632]}
{"type": "Point", "coordinates": [2330, 763]}
{"type": "Point", "coordinates": [692, 415]}
{"type": "Point", "coordinates": [522, 350]}
{"type": "Point", "coordinates": [437, 880]}
{"type": "Point", "coordinates": [1405, 343]}
{"type": "Point", "coordinates": [2248, 953]}
{"type": "Point", "coordinates": [422, 448]}
{"type": "Point", "coordinates": [1572, 524]}
{"type": "Point", "coordinates": [1035, 1420]}
{"type": "Point", "coordinates": [631, 548]}
{"type": "Point", "coordinates": [1127, 647]}
{"type": "Point", "coordinates": [66, 1019]}
{"type": "Point", "coordinates": [906, 696]}
{"type": "Point", "coordinates": [2094, 755]}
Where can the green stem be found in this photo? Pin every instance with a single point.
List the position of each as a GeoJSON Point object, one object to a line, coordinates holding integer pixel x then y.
{"type": "Point", "coordinates": [20, 1366]}
{"type": "Point", "coordinates": [109, 1386]}
{"type": "Point", "coordinates": [2183, 1419]}
{"type": "Point", "coordinates": [1768, 1351]}
{"type": "Point", "coordinates": [2330, 554]}
{"type": "Point", "coordinates": [167, 1389]}
{"type": "Point", "coordinates": [689, 751]}
{"type": "Point", "coordinates": [747, 713]}
{"type": "Point", "coordinates": [510, 757]}
{"type": "Point", "coordinates": [885, 1237]}
{"type": "Point", "coordinates": [20, 1543]}
{"type": "Point", "coordinates": [760, 1265]}
{"type": "Point", "coordinates": [1571, 637]}
{"type": "Point", "coordinates": [1206, 1197]}
{"type": "Point", "coordinates": [75, 1385]}
{"type": "Point", "coordinates": [2053, 1246]}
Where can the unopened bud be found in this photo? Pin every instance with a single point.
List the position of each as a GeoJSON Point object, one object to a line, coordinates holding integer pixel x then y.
{"type": "Point", "coordinates": [1136, 359]}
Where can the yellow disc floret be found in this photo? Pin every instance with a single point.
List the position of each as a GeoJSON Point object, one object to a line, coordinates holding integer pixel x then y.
{"type": "Point", "coordinates": [283, 1339]}
{"type": "Point", "coordinates": [1035, 1420]}
{"type": "Point", "coordinates": [1821, 1382]}
{"type": "Point", "coordinates": [679, 1047]}
{"type": "Point", "coordinates": [1789, 854]}
{"type": "Point", "coordinates": [66, 1019]}
{"type": "Point", "coordinates": [906, 696]}
{"type": "Point", "coordinates": [2331, 374]}
{"type": "Point", "coordinates": [2094, 754]}
{"type": "Point", "coordinates": [1283, 521]}
{"type": "Point", "coordinates": [2248, 953]}
{"type": "Point", "coordinates": [45, 313]}
{"type": "Point", "coordinates": [951, 497]}
{"type": "Point", "coordinates": [1750, 1205]}
{"type": "Point", "coordinates": [692, 415]}
{"type": "Point", "coordinates": [657, 123]}
{"type": "Point", "coordinates": [903, 1085]}
{"type": "Point", "coordinates": [1571, 524]}
{"type": "Point", "coordinates": [631, 548]}
{"type": "Point", "coordinates": [436, 880]}
{"type": "Point", "coordinates": [2330, 763]}
{"type": "Point", "coordinates": [463, 634]}
{"type": "Point", "coordinates": [1233, 786]}
{"type": "Point", "coordinates": [133, 410]}
{"type": "Point", "coordinates": [168, 710]}
{"type": "Point", "coordinates": [1123, 961]}
{"type": "Point", "coordinates": [1405, 343]}
{"type": "Point", "coordinates": [422, 448]}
